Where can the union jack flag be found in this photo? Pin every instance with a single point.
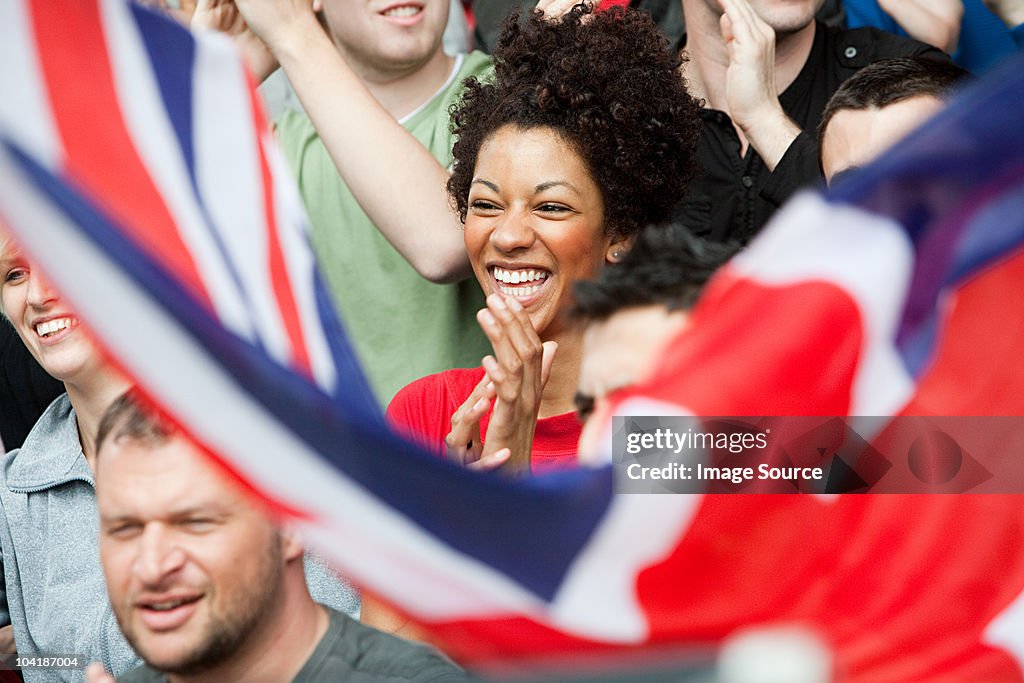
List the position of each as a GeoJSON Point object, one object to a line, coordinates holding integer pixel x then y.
{"type": "Point", "coordinates": [136, 167]}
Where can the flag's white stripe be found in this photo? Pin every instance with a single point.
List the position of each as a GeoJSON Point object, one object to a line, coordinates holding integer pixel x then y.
{"type": "Point", "coordinates": [197, 391]}
{"type": "Point", "coordinates": [867, 255]}
{"type": "Point", "coordinates": [153, 136]}
{"type": "Point", "coordinates": [1007, 631]}
{"type": "Point", "coordinates": [395, 557]}
{"type": "Point", "coordinates": [225, 139]}
{"type": "Point", "coordinates": [25, 113]}
{"type": "Point", "coordinates": [300, 264]}
{"type": "Point", "coordinates": [601, 587]}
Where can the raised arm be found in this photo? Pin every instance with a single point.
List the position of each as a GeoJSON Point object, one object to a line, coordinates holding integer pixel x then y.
{"type": "Point", "coordinates": [936, 22]}
{"type": "Point", "coordinates": [396, 180]}
{"type": "Point", "coordinates": [1010, 11]}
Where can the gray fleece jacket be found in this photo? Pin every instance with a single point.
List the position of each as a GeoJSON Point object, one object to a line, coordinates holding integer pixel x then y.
{"type": "Point", "coordinates": [53, 590]}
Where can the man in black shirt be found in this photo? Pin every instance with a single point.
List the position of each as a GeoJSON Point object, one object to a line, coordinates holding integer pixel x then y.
{"type": "Point", "coordinates": [765, 69]}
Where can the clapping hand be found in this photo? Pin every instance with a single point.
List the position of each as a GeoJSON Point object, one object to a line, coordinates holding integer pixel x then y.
{"type": "Point", "coordinates": [514, 380]}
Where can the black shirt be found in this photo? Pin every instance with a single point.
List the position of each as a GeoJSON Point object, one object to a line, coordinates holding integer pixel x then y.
{"type": "Point", "coordinates": [733, 196]}
{"type": "Point", "coordinates": [489, 15]}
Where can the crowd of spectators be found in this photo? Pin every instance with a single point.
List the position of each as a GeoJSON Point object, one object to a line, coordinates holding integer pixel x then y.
{"type": "Point", "coordinates": [508, 238]}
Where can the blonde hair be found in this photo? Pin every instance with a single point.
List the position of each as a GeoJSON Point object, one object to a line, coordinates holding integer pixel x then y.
{"type": "Point", "coordinates": [5, 244]}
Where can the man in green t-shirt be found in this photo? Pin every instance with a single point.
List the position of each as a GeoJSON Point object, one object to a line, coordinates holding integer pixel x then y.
{"type": "Point", "coordinates": [371, 155]}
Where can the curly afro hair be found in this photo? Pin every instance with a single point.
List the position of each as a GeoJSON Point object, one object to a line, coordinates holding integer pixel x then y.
{"type": "Point", "coordinates": [610, 86]}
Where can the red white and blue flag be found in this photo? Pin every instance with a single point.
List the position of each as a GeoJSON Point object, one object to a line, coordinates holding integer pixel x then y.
{"type": "Point", "coordinates": [136, 167]}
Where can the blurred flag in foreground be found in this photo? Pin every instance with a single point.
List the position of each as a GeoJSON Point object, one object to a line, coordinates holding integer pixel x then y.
{"type": "Point", "coordinates": [137, 169]}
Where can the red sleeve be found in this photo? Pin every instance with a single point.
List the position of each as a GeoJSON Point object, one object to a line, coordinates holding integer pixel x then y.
{"type": "Point", "coordinates": [422, 411]}
{"type": "Point", "coordinates": [413, 412]}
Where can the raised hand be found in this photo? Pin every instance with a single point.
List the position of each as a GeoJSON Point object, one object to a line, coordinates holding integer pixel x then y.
{"type": "Point", "coordinates": [750, 88]}
{"type": "Point", "coordinates": [519, 370]}
{"type": "Point", "coordinates": [225, 16]}
{"type": "Point", "coordinates": [95, 673]}
{"type": "Point", "coordinates": [556, 9]}
{"type": "Point", "coordinates": [463, 442]}
{"type": "Point", "coordinates": [7, 645]}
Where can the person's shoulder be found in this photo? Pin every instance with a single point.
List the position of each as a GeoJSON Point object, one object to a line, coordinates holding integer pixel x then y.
{"type": "Point", "coordinates": [51, 452]}
{"type": "Point", "coordinates": [55, 427]}
{"type": "Point", "coordinates": [855, 48]}
{"type": "Point", "coordinates": [294, 129]}
{"type": "Point", "coordinates": [364, 653]}
{"type": "Point", "coordinates": [477, 64]}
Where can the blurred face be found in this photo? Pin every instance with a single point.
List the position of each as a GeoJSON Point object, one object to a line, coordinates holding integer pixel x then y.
{"type": "Point", "coordinates": [386, 36]}
{"type": "Point", "coordinates": [193, 568]}
{"type": "Point", "coordinates": [854, 137]}
{"type": "Point", "coordinates": [535, 222]}
{"type": "Point", "coordinates": [618, 353]}
{"type": "Point", "coordinates": [43, 321]}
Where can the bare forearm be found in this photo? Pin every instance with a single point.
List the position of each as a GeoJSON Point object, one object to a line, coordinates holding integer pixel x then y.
{"type": "Point", "coordinates": [1010, 11]}
{"type": "Point", "coordinates": [770, 134]}
{"type": "Point", "coordinates": [396, 180]}
{"type": "Point", "coordinates": [936, 22]}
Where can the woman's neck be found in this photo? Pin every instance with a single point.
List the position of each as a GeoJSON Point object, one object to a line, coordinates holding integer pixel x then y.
{"type": "Point", "coordinates": [560, 391]}
{"type": "Point", "coordinates": [90, 399]}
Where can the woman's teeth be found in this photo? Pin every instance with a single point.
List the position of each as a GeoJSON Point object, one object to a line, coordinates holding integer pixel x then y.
{"type": "Point", "coordinates": [52, 326]}
{"type": "Point", "coordinates": [514, 277]}
{"type": "Point", "coordinates": [403, 11]}
{"type": "Point", "coordinates": [519, 283]}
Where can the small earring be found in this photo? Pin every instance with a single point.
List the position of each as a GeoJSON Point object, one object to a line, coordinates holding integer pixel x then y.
{"type": "Point", "coordinates": [616, 255]}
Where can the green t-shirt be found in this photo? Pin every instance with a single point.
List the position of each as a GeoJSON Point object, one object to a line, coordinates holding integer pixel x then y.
{"type": "Point", "coordinates": [402, 326]}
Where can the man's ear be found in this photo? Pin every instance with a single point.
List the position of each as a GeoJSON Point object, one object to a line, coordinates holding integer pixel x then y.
{"type": "Point", "coordinates": [292, 544]}
{"type": "Point", "coordinates": [618, 248]}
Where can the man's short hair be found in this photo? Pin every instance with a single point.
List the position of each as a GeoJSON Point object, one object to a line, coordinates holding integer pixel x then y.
{"type": "Point", "coordinates": [667, 265]}
{"type": "Point", "coordinates": [128, 417]}
{"type": "Point", "coordinates": [889, 81]}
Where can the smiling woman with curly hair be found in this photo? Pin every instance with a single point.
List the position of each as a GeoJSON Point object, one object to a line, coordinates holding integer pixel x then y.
{"type": "Point", "coordinates": [609, 85]}
{"type": "Point", "coordinates": [585, 135]}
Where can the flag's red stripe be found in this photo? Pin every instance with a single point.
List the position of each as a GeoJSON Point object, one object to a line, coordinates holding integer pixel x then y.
{"type": "Point", "coordinates": [280, 281]}
{"type": "Point", "coordinates": [977, 369]}
{"type": "Point", "coordinates": [99, 153]}
{"type": "Point", "coordinates": [874, 576]}
{"type": "Point", "coordinates": [798, 340]}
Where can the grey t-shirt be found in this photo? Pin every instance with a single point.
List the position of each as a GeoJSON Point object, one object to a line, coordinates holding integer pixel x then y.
{"type": "Point", "coordinates": [354, 653]}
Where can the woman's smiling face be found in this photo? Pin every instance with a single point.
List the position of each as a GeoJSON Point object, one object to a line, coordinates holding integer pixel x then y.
{"type": "Point", "coordinates": [44, 322]}
{"type": "Point", "coordinates": [535, 222]}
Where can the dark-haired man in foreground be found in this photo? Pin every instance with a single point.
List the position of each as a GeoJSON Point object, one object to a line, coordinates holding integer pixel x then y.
{"type": "Point", "coordinates": [204, 584]}
{"type": "Point", "coordinates": [636, 307]}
